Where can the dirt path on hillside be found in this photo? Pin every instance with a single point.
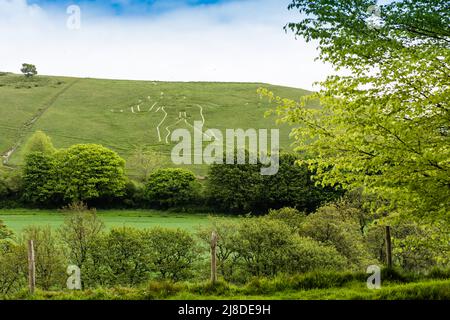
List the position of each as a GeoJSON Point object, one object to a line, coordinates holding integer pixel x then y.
{"type": "Point", "coordinates": [29, 124]}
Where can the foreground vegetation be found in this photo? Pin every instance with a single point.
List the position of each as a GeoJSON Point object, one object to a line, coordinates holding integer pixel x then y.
{"type": "Point", "coordinates": [311, 286]}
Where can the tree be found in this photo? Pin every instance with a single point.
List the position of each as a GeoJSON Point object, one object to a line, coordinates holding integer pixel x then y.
{"type": "Point", "coordinates": [172, 187]}
{"type": "Point", "coordinates": [40, 178]}
{"type": "Point", "coordinates": [80, 230]}
{"type": "Point", "coordinates": [293, 186]}
{"type": "Point", "coordinates": [234, 187]}
{"type": "Point", "coordinates": [29, 70]}
{"type": "Point", "coordinates": [90, 171]}
{"type": "Point", "coordinates": [39, 142]}
{"type": "Point", "coordinates": [241, 187]}
{"type": "Point", "coordinates": [142, 163]}
{"type": "Point", "coordinates": [125, 256]}
{"type": "Point", "coordinates": [50, 260]}
{"type": "Point", "coordinates": [385, 126]}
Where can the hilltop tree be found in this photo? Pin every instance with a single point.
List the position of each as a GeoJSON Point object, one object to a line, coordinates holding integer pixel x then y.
{"type": "Point", "coordinates": [385, 126]}
{"type": "Point", "coordinates": [29, 70]}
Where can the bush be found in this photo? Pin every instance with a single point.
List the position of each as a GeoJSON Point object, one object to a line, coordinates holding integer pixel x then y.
{"type": "Point", "coordinates": [308, 255]}
{"type": "Point", "coordinates": [125, 257]}
{"type": "Point", "coordinates": [80, 233]}
{"type": "Point", "coordinates": [335, 227]}
{"type": "Point", "coordinates": [10, 187]}
{"type": "Point", "coordinates": [13, 267]}
{"type": "Point", "coordinates": [5, 233]}
{"type": "Point", "coordinates": [50, 261]}
{"type": "Point", "coordinates": [290, 216]}
{"type": "Point", "coordinates": [172, 252]}
{"type": "Point", "coordinates": [172, 187]}
{"type": "Point", "coordinates": [266, 246]}
{"type": "Point", "coordinates": [415, 247]}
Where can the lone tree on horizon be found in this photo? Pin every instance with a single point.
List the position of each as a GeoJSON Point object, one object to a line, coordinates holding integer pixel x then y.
{"type": "Point", "coordinates": [28, 70]}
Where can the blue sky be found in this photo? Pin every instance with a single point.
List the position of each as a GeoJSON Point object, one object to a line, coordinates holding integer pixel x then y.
{"type": "Point", "coordinates": [132, 7]}
{"type": "Point", "coordinates": [167, 40]}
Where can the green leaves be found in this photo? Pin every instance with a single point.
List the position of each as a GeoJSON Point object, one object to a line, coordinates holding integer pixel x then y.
{"type": "Point", "coordinates": [80, 173]}
{"type": "Point", "coordinates": [386, 126]}
{"type": "Point", "coordinates": [172, 187]}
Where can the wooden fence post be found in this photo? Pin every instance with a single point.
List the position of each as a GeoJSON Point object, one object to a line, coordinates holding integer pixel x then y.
{"type": "Point", "coordinates": [388, 246]}
{"type": "Point", "coordinates": [213, 257]}
{"type": "Point", "coordinates": [31, 267]}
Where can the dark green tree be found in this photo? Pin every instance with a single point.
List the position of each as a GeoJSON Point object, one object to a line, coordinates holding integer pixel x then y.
{"type": "Point", "coordinates": [172, 187]}
{"type": "Point", "coordinates": [29, 70]}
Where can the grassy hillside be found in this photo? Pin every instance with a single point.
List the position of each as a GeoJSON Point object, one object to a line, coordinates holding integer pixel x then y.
{"type": "Point", "coordinates": [123, 115]}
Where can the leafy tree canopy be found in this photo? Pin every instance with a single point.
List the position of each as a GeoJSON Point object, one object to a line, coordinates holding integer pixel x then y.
{"type": "Point", "coordinates": [28, 70]}
{"type": "Point", "coordinates": [386, 125]}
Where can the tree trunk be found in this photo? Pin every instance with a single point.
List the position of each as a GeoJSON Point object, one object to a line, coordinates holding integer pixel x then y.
{"type": "Point", "coordinates": [213, 257]}
{"type": "Point", "coordinates": [31, 267]}
{"type": "Point", "coordinates": [388, 247]}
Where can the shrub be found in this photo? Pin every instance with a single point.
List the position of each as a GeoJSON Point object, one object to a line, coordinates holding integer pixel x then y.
{"type": "Point", "coordinates": [125, 256]}
{"type": "Point", "coordinates": [266, 247]}
{"type": "Point", "coordinates": [13, 267]}
{"type": "Point", "coordinates": [80, 233]}
{"type": "Point", "coordinates": [50, 261]}
{"type": "Point", "coordinates": [415, 247]}
{"type": "Point", "coordinates": [10, 187]}
{"type": "Point", "coordinates": [309, 255]}
{"type": "Point", "coordinates": [292, 217]}
{"type": "Point", "coordinates": [171, 187]}
{"type": "Point", "coordinates": [5, 233]}
{"type": "Point", "coordinates": [332, 226]}
{"type": "Point", "coordinates": [227, 231]}
{"type": "Point", "coordinates": [263, 246]}
{"type": "Point", "coordinates": [172, 252]}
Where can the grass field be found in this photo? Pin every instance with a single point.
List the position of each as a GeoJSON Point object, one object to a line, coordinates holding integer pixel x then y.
{"type": "Point", "coordinates": [17, 219]}
{"type": "Point", "coordinates": [432, 289]}
{"type": "Point", "coordinates": [123, 115]}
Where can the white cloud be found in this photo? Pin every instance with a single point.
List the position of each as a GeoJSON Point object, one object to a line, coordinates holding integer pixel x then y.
{"type": "Point", "coordinates": [228, 42]}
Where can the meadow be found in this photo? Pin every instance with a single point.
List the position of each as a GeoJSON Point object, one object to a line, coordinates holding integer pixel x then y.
{"type": "Point", "coordinates": [18, 219]}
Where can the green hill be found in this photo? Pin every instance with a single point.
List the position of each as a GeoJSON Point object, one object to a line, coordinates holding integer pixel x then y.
{"type": "Point", "coordinates": [122, 114]}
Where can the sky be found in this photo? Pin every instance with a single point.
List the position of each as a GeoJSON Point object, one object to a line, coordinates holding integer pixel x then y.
{"type": "Point", "coordinates": [166, 40]}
